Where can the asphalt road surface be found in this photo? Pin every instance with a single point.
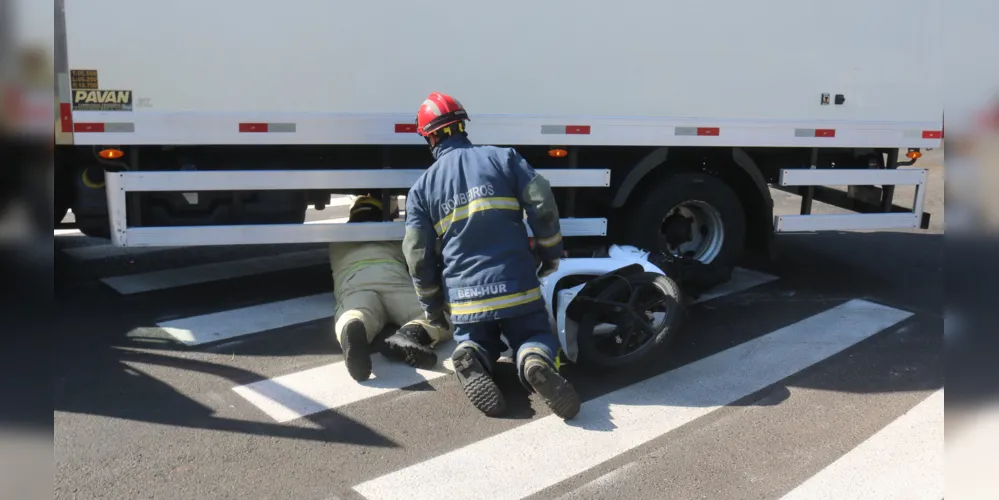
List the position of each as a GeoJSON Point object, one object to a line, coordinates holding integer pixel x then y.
{"type": "Point", "coordinates": [211, 373]}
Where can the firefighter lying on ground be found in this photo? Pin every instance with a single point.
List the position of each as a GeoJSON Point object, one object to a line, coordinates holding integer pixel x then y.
{"type": "Point", "coordinates": [372, 287]}
{"type": "Point", "coordinates": [471, 203]}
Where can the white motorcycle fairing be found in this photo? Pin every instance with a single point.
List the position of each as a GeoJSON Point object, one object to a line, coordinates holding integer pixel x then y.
{"type": "Point", "coordinates": [619, 256]}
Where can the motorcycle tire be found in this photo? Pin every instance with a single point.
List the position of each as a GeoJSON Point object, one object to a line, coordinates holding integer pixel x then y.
{"type": "Point", "coordinates": [619, 290]}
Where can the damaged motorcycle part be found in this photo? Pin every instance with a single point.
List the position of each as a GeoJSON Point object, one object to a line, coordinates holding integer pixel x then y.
{"type": "Point", "coordinates": [628, 319]}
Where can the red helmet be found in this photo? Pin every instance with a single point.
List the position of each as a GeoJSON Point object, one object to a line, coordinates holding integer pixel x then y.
{"type": "Point", "coordinates": [438, 111]}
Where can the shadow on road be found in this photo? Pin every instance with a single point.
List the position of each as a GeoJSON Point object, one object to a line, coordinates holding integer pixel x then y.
{"type": "Point", "coordinates": [124, 391]}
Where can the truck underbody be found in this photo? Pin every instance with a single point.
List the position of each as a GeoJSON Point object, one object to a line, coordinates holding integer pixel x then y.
{"type": "Point", "coordinates": [711, 204]}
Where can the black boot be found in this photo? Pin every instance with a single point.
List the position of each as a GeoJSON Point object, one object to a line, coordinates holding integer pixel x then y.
{"type": "Point", "coordinates": [356, 350]}
{"type": "Point", "coordinates": [555, 390]}
{"type": "Point", "coordinates": [476, 381]}
{"type": "Point", "coordinates": [411, 345]}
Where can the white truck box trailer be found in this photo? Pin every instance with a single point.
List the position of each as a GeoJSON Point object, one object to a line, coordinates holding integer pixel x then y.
{"type": "Point", "coordinates": [660, 123]}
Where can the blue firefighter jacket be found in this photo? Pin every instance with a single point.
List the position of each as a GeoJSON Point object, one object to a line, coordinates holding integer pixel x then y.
{"type": "Point", "coordinates": [466, 244]}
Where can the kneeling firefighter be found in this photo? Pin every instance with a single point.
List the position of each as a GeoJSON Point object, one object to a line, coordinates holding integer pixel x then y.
{"type": "Point", "coordinates": [372, 287]}
{"type": "Point", "coordinates": [471, 203]}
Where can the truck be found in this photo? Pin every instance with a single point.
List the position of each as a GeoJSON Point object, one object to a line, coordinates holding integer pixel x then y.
{"type": "Point", "coordinates": [661, 124]}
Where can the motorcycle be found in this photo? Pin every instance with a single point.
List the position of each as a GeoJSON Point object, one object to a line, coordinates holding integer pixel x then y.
{"type": "Point", "coordinates": [614, 309]}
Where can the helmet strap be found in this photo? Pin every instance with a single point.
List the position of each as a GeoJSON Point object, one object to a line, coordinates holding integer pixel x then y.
{"type": "Point", "coordinates": [444, 133]}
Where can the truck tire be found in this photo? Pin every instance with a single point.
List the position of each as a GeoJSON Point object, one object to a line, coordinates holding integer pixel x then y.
{"type": "Point", "coordinates": [693, 214]}
{"type": "Point", "coordinates": [621, 290]}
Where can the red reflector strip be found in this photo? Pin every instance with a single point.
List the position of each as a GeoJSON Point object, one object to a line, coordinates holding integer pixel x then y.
{"type": "Point", "coordinates": [66, 116]}
{"type": "Point", "coordinates": [565, 129]}
{"type": "Point", "coordinates": [253, 127]}
{"type": "Point", "coordinates": [88, 127]}
{"type": "Point", "coordinates": [110, 128]}
{"type": "Point", "coordinates": [818, 132]}
{"type": "Point", "coordinates": [704, 131]}
{"type": "Point", "coordinates": [932, 134]}
{"type": "Point", "coordinates": [267, 127]}
{"type": "Point", "coordinates": [405, 128]}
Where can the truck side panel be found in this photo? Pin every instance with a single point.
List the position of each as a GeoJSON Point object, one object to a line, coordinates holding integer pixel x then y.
{"type": "Point", "coordinates": [632, 72]}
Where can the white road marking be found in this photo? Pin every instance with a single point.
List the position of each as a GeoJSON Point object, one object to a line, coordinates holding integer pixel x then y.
{"type": "Point", "coordinates": [903, 461]}
{"type": "Point", "coordinates": [335, 220]}
{"type": "Point", "coordinates": [170, 278]}
{"type": "Point", "coordinates": [329, 386]}
{"type": "Point", "coordinates": [66, 232]}
{"type": "Point", "coordinates": [338, 200]}
{"type": "Point", "coordinates": [247, 320]}
{"type": "Point", "coordinates": [512, 465]}
{"type": "Point", "coordinates": [303, 393]}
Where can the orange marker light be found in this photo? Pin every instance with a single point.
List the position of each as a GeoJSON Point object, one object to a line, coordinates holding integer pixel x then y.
{"type": "Point", "coordinates": [111, 154]}
{"type": "Point", "coordinates": [558, 153]}
{"type": "Point", "coordinates": [914, 154]}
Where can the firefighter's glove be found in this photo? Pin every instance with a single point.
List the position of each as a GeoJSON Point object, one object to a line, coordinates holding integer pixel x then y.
{"type": "Point", "coordinates": [548, 267]}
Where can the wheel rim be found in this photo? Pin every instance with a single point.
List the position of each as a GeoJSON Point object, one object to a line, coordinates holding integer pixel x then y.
{"type": "Point", "coordinates": [693, 229]}
{"type": "Point", "coordinates": [622, 334]}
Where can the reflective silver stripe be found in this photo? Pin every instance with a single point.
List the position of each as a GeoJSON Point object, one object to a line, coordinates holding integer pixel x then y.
{"type": "Point", "coordinates": [281, 127]}
{"type": "Point", "coordinates": [427, 292]}
{"type": "Point", "coordinates": [495, 303]}
{"type": "Point", "coordinates": [478, 205]}
{"type": "Point", "coordinates": [119, 127]}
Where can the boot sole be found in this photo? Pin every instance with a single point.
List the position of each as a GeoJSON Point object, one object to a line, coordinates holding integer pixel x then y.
{"type": "Point", "coordinates": [413, 355]}
{"type": "Point", "coordinates": [478, 386]}
{"type": "Point", "coordinates": [357, 352]}
{"type": "Point", "coordinates": [556, 391]}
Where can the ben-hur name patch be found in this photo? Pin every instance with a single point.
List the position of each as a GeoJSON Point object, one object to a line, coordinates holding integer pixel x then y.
{"type": "Point", "coordinates": [102, 100]}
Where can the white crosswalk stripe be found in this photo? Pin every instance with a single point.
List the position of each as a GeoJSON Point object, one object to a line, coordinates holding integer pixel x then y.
{"type": "Point", "coordinates": [226, 325]}
{"type": "Point", "coordinates": [185, 276]}
{"type": "Point", "coordinates": [328, 387]}
{"type": "Point", "coordinates": [903, 461]}
{"type": "Point", "coordinates": [508, 464]}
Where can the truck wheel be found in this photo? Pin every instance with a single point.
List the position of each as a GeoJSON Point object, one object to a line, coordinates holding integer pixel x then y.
{"type": "Point", "coordinates": [693, 215]}
{"type": "Point", "coordinates": [628, 320]}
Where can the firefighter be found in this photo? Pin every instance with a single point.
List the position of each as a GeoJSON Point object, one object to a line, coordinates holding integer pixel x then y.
{"type": "Point", "coordinates": [469, 252]}
{"type": "Point", "coordinates": [372, 288]}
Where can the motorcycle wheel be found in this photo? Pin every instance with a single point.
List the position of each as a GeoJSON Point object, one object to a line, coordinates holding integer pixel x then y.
{"type": "Point", "coordinates": [630, 319]}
